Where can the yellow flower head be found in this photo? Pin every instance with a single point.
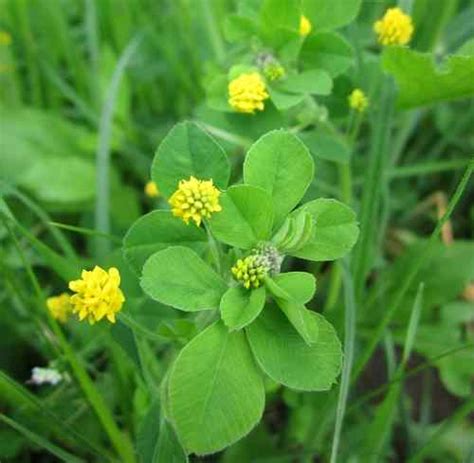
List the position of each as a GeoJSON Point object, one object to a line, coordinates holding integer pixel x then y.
{"type": "Point", "coordinates": [98, 294]}
{"type": "Point", "coordinates": [305, 26]}
{"type": "Point", "coordinates": [357, 100]}
{"type": "Point", "coordinates": [247, 93]}
{"type": "Point", "coordinates": [395, 28]}
{"type": "Point", "coordinates": [60, 307]}
{"type": "Point", "coordinates": [250, 271]}
{"type": "Point", "coordinates": [195, 200]}
{"type": "Point", "coordinates": [5, 38]}
{"type": "Point", "coordinates": [151, 189]}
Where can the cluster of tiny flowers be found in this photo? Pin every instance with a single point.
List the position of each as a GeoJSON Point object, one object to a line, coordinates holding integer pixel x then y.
{"type": "Point", "coordinates": [395, 28]}
{"type": "Point", "coordinates": [250, 271]}
{"type": "Point", "coordinates": [358, 101]}
{"type": "Point", "coordinates": [305, 26]}
{"type": "Point", "coordinates": [195, 200]}
{"type": "Point", "coordinates": [274, 71]}
{"type": "Point", "coordinates": [247, 93]}
{"type": "Point", "coordinates": [60, 307]}
{"type": "Point", "coordinates": [98, 295]}
{"type": "Point", "coordinates": [151, 189]}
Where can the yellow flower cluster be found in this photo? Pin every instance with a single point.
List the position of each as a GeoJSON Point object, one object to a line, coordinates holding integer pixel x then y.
{"type": "Point", "coordinates": [250, 271]}
{"type": "Point", "coordinates": [247, 93]}
{"type": "Point", "coordinates": [195, 200]}
{"type": "Point", "coordinates": [305, 26]}
{"type": "Point", "coordinates": [358, 101]}
{"type": "Point", "coordinates": [98, 294]}
{"type": "Point", "coordinates": [60, 307]}
{"type": "Point", "coordinates": [5, 38]}
{"type": "Point", "coordinates": [395, 28]}
{"type": "Point", "coordinates": [151, 189]}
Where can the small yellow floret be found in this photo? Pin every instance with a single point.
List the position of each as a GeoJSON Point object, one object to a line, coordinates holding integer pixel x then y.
{"type": "Point", "coordinates": [151, 189]}
{"type": "Point", "coordinates": [274, 71]}
{"type": "Point", "coordinates": [195, 200]}
{"type": "Point", "coordinates": [358, 101]}
{"type": "Point", "coordinates": [5, 38]}
{"type": "Point", "coordinates": [98, 294]}
{"type": "Point", "coordinates": [60, 307]}
{"type": "Point", "coordinates": [249, 271]}
{"type": "Point", "coordinates": [305, 26]}
{"type": "Point", "coordinates": [395, 28]}
{"type": "Point", "coordinates": [247, 93]}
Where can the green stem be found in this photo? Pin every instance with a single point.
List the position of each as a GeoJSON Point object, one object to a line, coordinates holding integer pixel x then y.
{"type": "Point", "coordinates": [349, 340]}
{"type": "Point", "coordinates": [102, 205]}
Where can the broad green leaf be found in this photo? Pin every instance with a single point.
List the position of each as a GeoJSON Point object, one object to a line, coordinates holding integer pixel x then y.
{"type": "Point", "coordinates": [301, 285]}
{"type": "Point", "coordinates": [328, 51]}
{"type": "Point", "coordinates": [283, 100]}
{"type": "Point", "coordinates": [188, 150]}
{"type": "Point", "coordinates": [326, 146]}
{"type": "Point", "coordinates": [287, 359]}
{"type": "Point", "coordinates": [61, 180]}
{"type": "Point", "coordinates": [335, 230]}
{"type": "Point", "coordinates": [298, 315]}
{"type": "Point", "coordinates": [215, 390]}
{"type": "Point", "coordinates": [422, 82]}
{"type": "Point", "coordinates": [241, 306]}
{"type": "Point", "coordinates": [246, 217]}
{"type": "Point", "coordinates": [158, 230]}
{"type": "Point", "coordinates": [280, 164]}
{"type": "Point", "coordinates": [178, 277]}
{"type": "Point", "coordinates": [279, 21]}
{"type": "Point", "coordinates": [315, 82]}
{"type": "Point", "coordinates": [325, 14]}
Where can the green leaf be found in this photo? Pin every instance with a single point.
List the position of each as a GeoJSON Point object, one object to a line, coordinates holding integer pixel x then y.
{"type": "Point", "coordinates": [279, 21]}
{"type": "Point", "coordinates": [178, 277]}
{"type": "Point", "coordinates": [188, 150]}
{"type": "Point", "coordinates": [301, 285]}
{"type": "Point", "coordinates": [315, 82]}
{"type": "Point", "coordinates": [326, 146]}
{"type": "Point", "coordinates": [246, 217]}
{"type": "Point", "coordinates": [217, 94]}
{"type": "Point", "coordinates": [325, 14]}
{"type": "Point", "coordinates": [334, 233]}
{"type": "Point", "coordinates": [298, 315]}
{"type": "Point", "coordinates": [61, 180]}
{"type": "Point", "coordinates": [240, 306]}
{"type": "Point", "coordinates": [158, 230]}
{"type": "Point", "coordinates": [168, 449]}
{"type": "Point", "coordinates": [422, 82]}
{"type": "Point", "coordinates": [283, 100]}
{"type": "Point", "coordinates": [280, 164]}
{"type": "Point", "coordinates": [287, 359]}
{"type": "Point", "coordinates": [216, 392]}
{"type": "Point", "coordinates": [328, 51]}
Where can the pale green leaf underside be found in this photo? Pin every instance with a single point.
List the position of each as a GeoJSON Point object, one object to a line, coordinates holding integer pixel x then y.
{"type": "Point", "coordinates": [335, 230]}
{"type": "Point", "coordinates": [246, 217]}
{"type": "Point", "coordinates": [287, 359]}
{"type": "Point", "coordinates": [158, 230]}
{"type": "Point", "coordinates": [216, 391]}
{"type": "Point", "coordinates": [178, 277]}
